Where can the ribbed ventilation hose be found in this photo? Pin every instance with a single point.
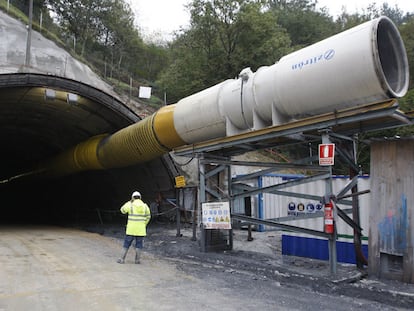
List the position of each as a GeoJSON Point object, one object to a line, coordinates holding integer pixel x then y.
{"type": "Point", "coordinates": [81, 157]}
{"type": "Point", "coordinates": [137, 143]}
{"type": "Point", "coordinates": [133, 144]}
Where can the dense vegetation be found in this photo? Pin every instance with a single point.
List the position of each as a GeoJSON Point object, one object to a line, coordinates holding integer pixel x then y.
{"type": "Point", "coordinates": [224, 36]}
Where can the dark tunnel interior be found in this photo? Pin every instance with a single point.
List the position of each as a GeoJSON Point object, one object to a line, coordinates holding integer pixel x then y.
{"type": "Point", "coordinates": [87, 197]}
{"type": "Point", "coordinates": [47, 107]}
{"type": "Point", "coordinates": [34, 129]}
{"type": "Point", "coordinates": [71, 199]}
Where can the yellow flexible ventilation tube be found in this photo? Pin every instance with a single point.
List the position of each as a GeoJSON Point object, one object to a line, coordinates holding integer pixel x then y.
{"type": "Point", "coordinates": [137, 143]}
{"type": "Point", "coordinates": [81, 157]}
{"type": "Point", "coordinates": [140, 142]}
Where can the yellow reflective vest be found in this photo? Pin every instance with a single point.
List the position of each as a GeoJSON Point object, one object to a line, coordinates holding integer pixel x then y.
{"type": "Point", "coordinates": [139, 216]}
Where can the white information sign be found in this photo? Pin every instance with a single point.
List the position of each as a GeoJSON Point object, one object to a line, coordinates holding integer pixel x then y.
{"type": "Point", "coordinates": [216, 215]}
{"type": "Point", "coordinates": [144, 92]}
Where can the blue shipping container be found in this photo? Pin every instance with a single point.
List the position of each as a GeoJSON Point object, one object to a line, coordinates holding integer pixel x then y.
{"type": "Point", "coordinates": [318, 248]}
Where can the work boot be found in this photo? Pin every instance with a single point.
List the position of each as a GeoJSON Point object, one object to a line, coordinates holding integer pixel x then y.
{"type": "Point", "coordinates": [137, 256]}
{"type": "Point", "coordinates": [122, 258]}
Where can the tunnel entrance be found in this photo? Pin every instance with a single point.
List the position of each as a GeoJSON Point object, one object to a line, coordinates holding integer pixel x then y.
{"type": "Point", "coordinates": [72, 199]}
{"type": "Point", "coordinates": [37, 123]}
{"type": "Point", "coordinates": [87, 197]}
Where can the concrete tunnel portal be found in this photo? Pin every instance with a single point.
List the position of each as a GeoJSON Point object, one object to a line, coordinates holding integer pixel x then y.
{"type": "Point", "coordinates": [48, 106]}
{"type": "Point", "coordinates": [41, 116]}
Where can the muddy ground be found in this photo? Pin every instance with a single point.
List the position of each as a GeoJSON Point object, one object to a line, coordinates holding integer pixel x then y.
{"type": "Point", "coordinates": [258, 268]}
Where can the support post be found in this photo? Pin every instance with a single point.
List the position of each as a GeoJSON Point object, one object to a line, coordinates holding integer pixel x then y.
{"type": "Point", "coordinates": [360, 258]}
{"type": "Point", "coordinates": [29, 34]}
{"type": "Point", "coordinates": [328, 196]}
{"type": "Point", "coordinates": [201, 200]}
{"type": "Point", "coordinates": [195, 216]}
{"type": "Point", "coordinates": [178, 194]}
{"type": "Point", "coordinates": [248, 212]}
{"type": "Point", "coordinates": [230, 196]}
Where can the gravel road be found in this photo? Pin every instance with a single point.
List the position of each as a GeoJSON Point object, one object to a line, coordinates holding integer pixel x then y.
{"type": "Point", "coordinates": [56, 268]}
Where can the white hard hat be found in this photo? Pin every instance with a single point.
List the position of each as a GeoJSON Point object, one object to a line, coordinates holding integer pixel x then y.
{"type": "Point", "coordinates": [136, 194]}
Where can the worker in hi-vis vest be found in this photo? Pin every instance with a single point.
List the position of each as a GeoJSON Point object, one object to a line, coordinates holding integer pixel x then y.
{"type": "Point", "coordinates": [139, 216]}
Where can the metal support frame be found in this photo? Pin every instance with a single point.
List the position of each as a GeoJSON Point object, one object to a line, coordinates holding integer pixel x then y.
{"type": "Point", "coordinates": [338, 126]}
{"type": "Point", "coordinates": [208, 194]}
{"type": "Point", "coordinates": [201, 199]}
{"type": "Point", "coordinates": [328, 196]}
{"type": "Point", "coordinates": [222, 164]}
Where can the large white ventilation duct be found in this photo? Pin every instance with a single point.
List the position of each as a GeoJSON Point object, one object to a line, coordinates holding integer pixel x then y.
{"type": "Point", "coordinates": [364, 64]}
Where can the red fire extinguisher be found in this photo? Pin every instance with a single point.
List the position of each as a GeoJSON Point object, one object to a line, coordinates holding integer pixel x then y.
{"type": "Point", "coordinates": [328, 218]}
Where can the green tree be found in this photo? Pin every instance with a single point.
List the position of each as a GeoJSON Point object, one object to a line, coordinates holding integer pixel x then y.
{"type": "Point", "coordinates": [105, 34]}
{"type": "Point", "coordinates": [304, 23]}
{"type": "Point", "coordinates": [184, 74]}
{"type": "Point", "coordinates": [346, 20]}
{"type": "Point", "coordinates": [79, 19]}
{"type": "Point", "coordinates": [121, 40]}
{"type": "Point", "coordinates": [23, 5]}
{"type": "Point", "coordinates": [407, 33]}
{"type": "Point", "coordinates": [224, 37]}
{"type": "Point", "coordinates": [40, 12]}
{"type": "Point", "coordinates": [152, 60]}
{"type": "Point", "coordinates": [394, 13]}
{"type": "Point", "coordinates": [407, 102]}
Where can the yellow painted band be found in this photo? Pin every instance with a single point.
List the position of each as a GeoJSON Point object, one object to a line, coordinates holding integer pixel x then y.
{"type": "Point", "coordinates": [134, 144]}
{"type": "Point", "coordinates": [38, 95]}
{"type": "Point", "coordinates": [79, 158]}
{"type": "Point", "coordinates": [85, 153]}
{"type": "Point", "coordinates": [164, 128]}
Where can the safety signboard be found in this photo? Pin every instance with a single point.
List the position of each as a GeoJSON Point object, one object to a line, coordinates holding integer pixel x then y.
{"type": "Point", "coordinates": [216, 215]}
{"type": "Point", "coordinates": [180, 181]}
{"type": "Point", "coordinates": [326, 154]}
{"type": "Point", "coordinates": [296, 209]}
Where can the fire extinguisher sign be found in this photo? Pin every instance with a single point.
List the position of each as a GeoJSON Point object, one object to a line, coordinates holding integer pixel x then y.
{"type": "Point", "coordinates": [326, 154]}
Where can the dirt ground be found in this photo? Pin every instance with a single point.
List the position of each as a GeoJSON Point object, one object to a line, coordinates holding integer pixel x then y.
{"type": "Point", "coordinates": [56, 268]}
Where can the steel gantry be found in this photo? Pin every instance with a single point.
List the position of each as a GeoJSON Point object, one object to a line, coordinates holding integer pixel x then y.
{"type": "Point", "coordinates": [216, 183]}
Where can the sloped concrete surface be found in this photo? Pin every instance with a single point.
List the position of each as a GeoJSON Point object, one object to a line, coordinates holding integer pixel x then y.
{"type": "Point", "coordinates": [46, 57]}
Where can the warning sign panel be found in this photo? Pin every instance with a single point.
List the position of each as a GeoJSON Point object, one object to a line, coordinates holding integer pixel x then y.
{"type": "Point", "coordinates": [326, 154]}
{"type": "Point", "coordinates": [296, 209]}
{"type": "Point", "coordinates": [179, 181]}
{"type": "Point", "coordinates": [216, 215]}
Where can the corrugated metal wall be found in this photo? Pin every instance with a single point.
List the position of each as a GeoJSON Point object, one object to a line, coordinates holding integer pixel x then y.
{"type": "Point", "coordinates": [271, 206]}
{"type": "Point", "coordinates": [275, 206]}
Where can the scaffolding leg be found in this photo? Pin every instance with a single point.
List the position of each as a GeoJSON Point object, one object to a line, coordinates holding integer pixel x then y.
{"type": "Point", "coordinates": [203, 247]}
{"type": "Point", "coordinates": [178, 214]}
{"type": "Point", "coordinates": [332, 254]}
{"type": "Point", "coordinates": [328, 195]}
